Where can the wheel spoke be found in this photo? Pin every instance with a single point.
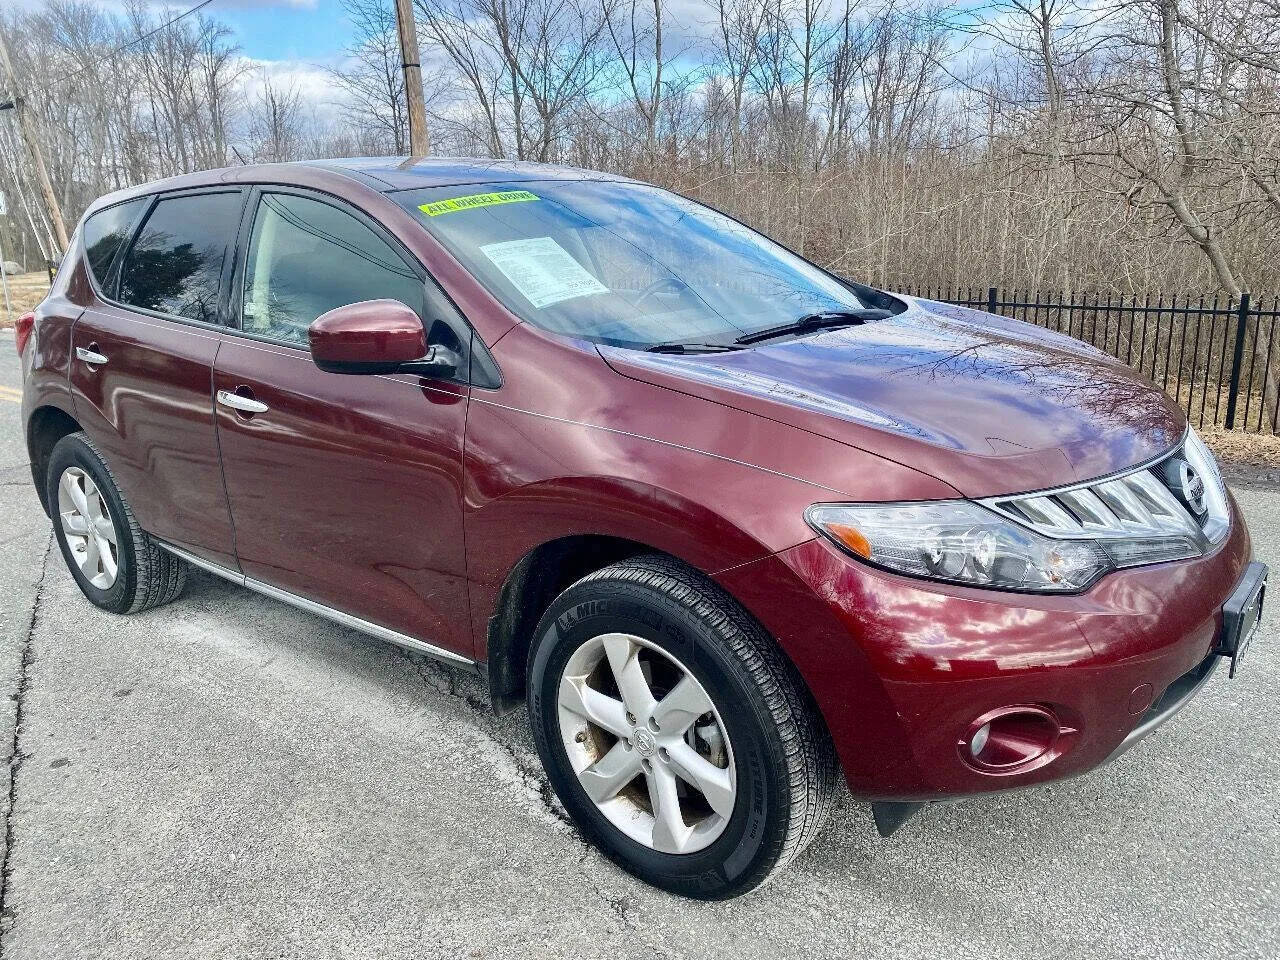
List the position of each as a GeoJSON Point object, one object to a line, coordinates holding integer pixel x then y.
{"type": "Point", "coordinates": [624, 660]}
{"type": "Point", "coordinates": [670, 833]}
{"type": "Point", "coordinates": [677, 711]}
{"type": "Point", "coordinates": [590, 704]}
{"type": "Point", "coordinates": [90, 565]}
{"type": "Point", "coordinates": [604, 778]}
{"type": "Point", "coordinates": [106, 559]}
{"type": "Point", "coordinates": [75, 524]}
{"type": "Point", "coordinates": [93, 499]}
{"type": "Point", "coordinates": [711, 781]}
{"type": "Point", "coordinates": [105, 529]}
{"type": "Point", "coordinates": [71, 484]}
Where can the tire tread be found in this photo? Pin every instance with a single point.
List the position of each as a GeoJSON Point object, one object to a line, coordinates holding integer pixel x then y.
{"type": "Point", "coordinates": [159, 576]}
{"type": "Point", "coordinates": [812, 768]}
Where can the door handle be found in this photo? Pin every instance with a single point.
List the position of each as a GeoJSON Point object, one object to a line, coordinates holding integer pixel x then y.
{"type": "Point", "coordinates": [90, 355]}
{"type": "Point", "coordinates": [243, 404]}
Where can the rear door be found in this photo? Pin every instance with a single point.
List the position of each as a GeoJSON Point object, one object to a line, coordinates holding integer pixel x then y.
{"type": "Point", "coordinates": [142, 362]}
{"type": "Point", "coordinates": [345, 490]}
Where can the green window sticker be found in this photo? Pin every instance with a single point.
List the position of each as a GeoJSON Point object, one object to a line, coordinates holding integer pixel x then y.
{"type": "Point", "coordinates": [439, 207]}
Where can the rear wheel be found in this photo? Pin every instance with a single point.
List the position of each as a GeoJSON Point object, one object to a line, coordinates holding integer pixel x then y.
{"type": "Point", "coordinates": [676, 734]}
{"type": "Point", "coordinates": [117, 566]}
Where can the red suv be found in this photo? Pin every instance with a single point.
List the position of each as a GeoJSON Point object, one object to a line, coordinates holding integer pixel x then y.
{"type": "Point", "coordinates": [728, 524]}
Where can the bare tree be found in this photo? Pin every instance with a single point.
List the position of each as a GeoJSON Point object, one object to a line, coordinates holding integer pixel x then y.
{"type": "Point", "coordinates": [1118, 145]}
{"type": "Point", "coordinates": [371, 78]}
{"type": "Point", "coordinates": [635, 30]}
{"type": "Point", "coordinates": [276, 122]}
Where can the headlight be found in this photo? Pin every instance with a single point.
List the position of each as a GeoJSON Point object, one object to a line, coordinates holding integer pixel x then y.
{"type": "Point", "coordinates": [1217, 516]}
{"type": "Point", "coordinates": [1051, 541]}
{"type": "Point", "coordinates": [957, 541]}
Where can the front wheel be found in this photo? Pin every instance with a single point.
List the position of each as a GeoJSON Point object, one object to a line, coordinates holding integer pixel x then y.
{"type": "Point", "coordinates": [673, 730]}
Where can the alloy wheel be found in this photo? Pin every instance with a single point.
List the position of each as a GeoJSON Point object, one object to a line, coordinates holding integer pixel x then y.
{"type": "Point", "coordinates": [647, 743]}
{"type": "Point", "coordinates": [88, 528]}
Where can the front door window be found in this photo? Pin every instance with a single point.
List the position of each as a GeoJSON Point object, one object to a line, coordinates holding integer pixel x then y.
{"type": "Point", "coordinates": [306, 258]}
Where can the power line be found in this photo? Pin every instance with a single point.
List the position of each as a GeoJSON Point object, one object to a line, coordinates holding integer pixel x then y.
{"type": "Point", "coordinates": [125, 46]}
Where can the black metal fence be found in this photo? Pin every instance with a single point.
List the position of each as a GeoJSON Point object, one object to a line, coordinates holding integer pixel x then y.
{"type": "Point", "coordinates": [1213, 354]}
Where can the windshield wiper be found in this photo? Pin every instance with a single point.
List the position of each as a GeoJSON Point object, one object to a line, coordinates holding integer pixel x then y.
{"type": "Point", "coordinates": [691, 347]}
{"type": "Point", "coordinates": [827, 320]}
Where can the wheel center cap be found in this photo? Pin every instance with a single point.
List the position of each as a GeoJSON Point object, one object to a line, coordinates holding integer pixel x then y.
{"type": "Point", "coordinates": [644, 742]}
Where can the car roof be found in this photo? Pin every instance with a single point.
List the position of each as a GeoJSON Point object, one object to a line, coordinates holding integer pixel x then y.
{"type": "Point", "coordinates": [407, 173]}
{"type": "Point", "coordinates": [383, 174]}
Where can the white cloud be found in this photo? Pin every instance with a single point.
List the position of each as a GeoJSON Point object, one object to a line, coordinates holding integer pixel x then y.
{"type": "Point", "coordinates": [311, 81]}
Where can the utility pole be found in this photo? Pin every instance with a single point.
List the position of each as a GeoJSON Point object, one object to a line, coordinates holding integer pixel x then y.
{"type": "Point", "coordinates": [4, 277]}
{"type": "Point", "coordinates": [419, 142]}
{"type": "Point", "coordinates": [33, 147]}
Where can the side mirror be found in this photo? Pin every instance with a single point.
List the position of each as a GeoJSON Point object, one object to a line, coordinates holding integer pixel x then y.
{"type": "Point", "coordinates": [375, 336]}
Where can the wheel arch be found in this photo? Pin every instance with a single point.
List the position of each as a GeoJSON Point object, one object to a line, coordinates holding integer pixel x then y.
{"type": "Point", "coordinates": [540, 576]}
{"type": "Point", "coordinates": [545, 572]}
{"type": "Point", "coordinates": [45, 427]}
{"type": "Point", "coordinates": [581, 524]}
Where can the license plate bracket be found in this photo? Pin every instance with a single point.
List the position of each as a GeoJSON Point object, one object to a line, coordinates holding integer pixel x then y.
{"type": "Point", "coordinates": [1241, 614]}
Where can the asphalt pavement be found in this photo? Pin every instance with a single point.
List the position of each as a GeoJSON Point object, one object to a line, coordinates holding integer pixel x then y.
{"type": "Point", "coordinates": [229, 777]}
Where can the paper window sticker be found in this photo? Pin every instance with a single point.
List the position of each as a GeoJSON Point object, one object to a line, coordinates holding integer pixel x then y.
{"type": "Point", "coordinates": [543, 271]}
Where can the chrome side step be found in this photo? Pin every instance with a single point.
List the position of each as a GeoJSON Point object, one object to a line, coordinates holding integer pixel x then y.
{"type": "Point", "coordinates": [320, 610]}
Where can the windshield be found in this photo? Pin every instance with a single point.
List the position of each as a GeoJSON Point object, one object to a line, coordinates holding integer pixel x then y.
{"type": "Point", "coordinates": [623, 263]}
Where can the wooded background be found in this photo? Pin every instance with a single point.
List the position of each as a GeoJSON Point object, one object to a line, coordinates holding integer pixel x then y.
{"type": "Point", "coordinates": [1120, 145]}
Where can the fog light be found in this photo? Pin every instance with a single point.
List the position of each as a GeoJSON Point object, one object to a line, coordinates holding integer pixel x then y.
{"type": "Point", "coordinates": [1011, 740]}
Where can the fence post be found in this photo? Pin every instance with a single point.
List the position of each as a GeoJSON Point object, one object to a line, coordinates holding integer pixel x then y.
{"type": "Point", "coordinates": [48, 265]}
{"type": "Point", "coordinates": [1237, 358]}
{"type": "Point", "coordinates": [991, 300]}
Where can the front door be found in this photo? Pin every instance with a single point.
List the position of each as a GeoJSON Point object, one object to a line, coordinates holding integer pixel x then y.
{"type": "Point", "coordinates": [142, 361]}
{"type": "Point", "coordinates": [344, 490]}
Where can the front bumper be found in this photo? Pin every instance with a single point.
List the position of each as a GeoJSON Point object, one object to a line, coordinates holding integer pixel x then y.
{"type": "Point", "coordinates": [1176, 696]}
{"type": "Point", "coordinates": [901, 668]}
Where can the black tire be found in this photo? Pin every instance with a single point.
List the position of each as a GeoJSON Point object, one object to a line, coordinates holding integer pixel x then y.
{"type": "Point", "coordinates": [783, 754]}
{"type": "Point", "coordinates": [146, 576]}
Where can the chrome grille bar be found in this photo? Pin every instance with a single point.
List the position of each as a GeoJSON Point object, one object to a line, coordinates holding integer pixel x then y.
{"type": "Point", "coordinates": [1140, 504]}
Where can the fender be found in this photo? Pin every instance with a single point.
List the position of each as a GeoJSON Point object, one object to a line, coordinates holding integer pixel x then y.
{"type": "Point", "coordinates": [48, 408]}
{"type": "Point", "coordinates": [540, 467]}
{"type": "Point", "coordinates": [504, 531]}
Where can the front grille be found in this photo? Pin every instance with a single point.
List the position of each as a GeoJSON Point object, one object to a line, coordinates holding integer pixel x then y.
{"type": "Point", "coordinates": [1178, 496]}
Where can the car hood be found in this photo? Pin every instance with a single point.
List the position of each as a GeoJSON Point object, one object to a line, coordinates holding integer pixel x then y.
{"type": "Point", "coordinates": [987, 404]}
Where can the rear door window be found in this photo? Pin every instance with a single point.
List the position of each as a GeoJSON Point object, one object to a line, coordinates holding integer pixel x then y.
{"type": "Point", "coordinates": [105, 233]}
{"type": "Point", "coordinates": [175, 264]}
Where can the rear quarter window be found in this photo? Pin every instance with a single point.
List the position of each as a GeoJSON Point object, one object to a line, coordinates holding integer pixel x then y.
{"type": "Point", "coordinates": [105, 233]}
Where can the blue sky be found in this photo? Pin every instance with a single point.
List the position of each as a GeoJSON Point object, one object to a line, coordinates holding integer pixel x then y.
{"type": "Point", "coordinates": [296, 41]}
{"type": "Point", "coordinates": [285, 29]}
{"type": "Point", "coordinates": [316, 31]}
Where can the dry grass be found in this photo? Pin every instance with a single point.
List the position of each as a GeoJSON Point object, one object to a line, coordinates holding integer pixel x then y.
{"type": "Point", "coordinates": [1236, 446]}
{"type": "Point", "coordinates": [25, 291]}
